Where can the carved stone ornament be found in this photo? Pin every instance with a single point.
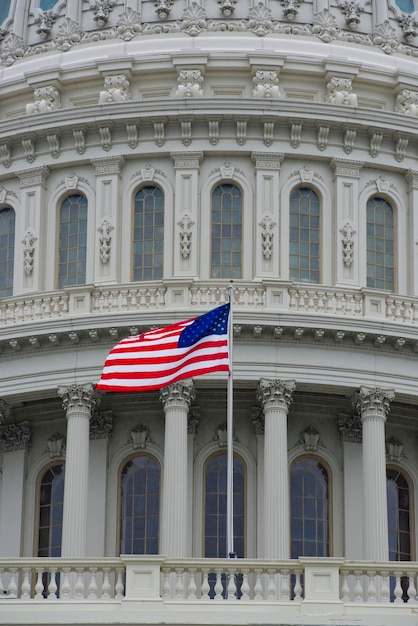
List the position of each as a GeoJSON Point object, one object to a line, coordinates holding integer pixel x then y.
{"type": "Point", "coordinates": [260, 20]}
{"type": "Point", "coordinates": [101, 9]}
{"type": "Point", "coordinates": [227, 7]}
{"type": "Point", "coordinates": [275, 393]}
{"type": "Point", "coordinates": [257, 420]}
{"type": "Point", "coordinates": [44, 22]}
{"type": "Point", "coordinates": [56, 445]}
{"type": "Point", "coordinates": [69, 34]}
{"type": "Point", "coordinates": [339, 91]}
{"type": "Point", "coordinates": [13, 48]}
{"type": "Point", "coordinates": [5, 154]}
{"type": "Point", "coordinates": [266, 84]}
{"type": "Point", "coordinates": [129, 24]}
{"type": "Point", "coordinates": [101, 425]}
{"type": "Point", "coordinates": [189, 84]}
{"type": "Point", "coordinates": [193, 420]}
{"type": "Point", "coordinates": [221, 435]}
{"type": "Point", "coordinates": [28, 251]}
{"type": "Point", "coordinates": [105, 239]}
{"type": "Point", "coordinates": [310, 439]}
{"type": "Point", "coordinates": [185, 225]}
{"type": "Point", "coordinates": [163, 8]}
{"type": "Point", "coordinates": [350, 428]}
{"type": "Point", "coordinates": [179, 394]}
{"type": "Point", "coordinates": [82, 397]}
{"type": "Point", "coordinates": [4, 410]}
{"type": "Point", "coordinates": [348, 233]}
{"type": "Point", "coordinates": [15, 437]}
{"type": "Point", "coordinates": [194, 19]}
{"type": "Point", "coordinates": [407, 102]}
{"type": "Point", "coordinates": [116, 89]}
{"type": "Point", "coordinates": [267, 226]}
{"type": "Point", "coordinates": [409, 27]}
{"type": "Point", "coordinates": [139, 437]}
{"type": "Point", "coordinates": [351, 11]}
{"type": "Point", "coordinates": [385, 37]}
{"type": "Point", "coordinates": [373, 401]}
{"type": "Point", "coordinates": [325, 26]}
{"type": "Point", "coordinates": [290, 8]}
{"type": "Point", "coordinates": [394, 450]}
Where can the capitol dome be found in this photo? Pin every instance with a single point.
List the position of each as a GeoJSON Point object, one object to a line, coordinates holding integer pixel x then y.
{"type": "Point", "coordinates": [154, 156]}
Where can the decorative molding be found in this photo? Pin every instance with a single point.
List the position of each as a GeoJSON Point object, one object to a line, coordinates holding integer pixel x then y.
{"type": "Point", "coordinates": [105, 133]}
{"type": "Point", "coordinates": [186, 160]}
{"type": "Point", "coordinates": [14, 437]}
{"type": "Point", "coordinates": [101, 425]}
{"type": "Point", "coordinates": [101, 9]}
{"type": "Point", "coordinates": [116, 89]}
{"type": "Point", "coordinates": [45, 99]}
{"type": "Point", "coordinates": [5, 410]}
{"type": "Point", "coordinates": [159, 133]}
{"type": "Point", "coordinates": [28, 146]}
{"type": "Point", "coordinates": [241, 127]}
{"type": "Point", "coordinates": [348, 233]}
{"type": "Point", "coordinates": [340, 91]}
{"type": "Point", "coordinates": [193, 420]}
{"type": "Point", "coordinates": [79, 136]}
{"type": "Point", "coordinates": [373, 401]}
{"type": "Point", "coordinates": [178, 394]}
{"type": "Point", "coordinates": [140, 437]}
{"type": "Point", "coordinates": [132, 133]}
{"type": "Point", "coordinates": [6, 154]}
{"type": "Point", "coordinates": [129, 24]}
{"type": "Point", "coordinates": [257, 420]}
{"type": "Point", "coordinates": [69, 34]}
{"type": "Point", "coordinates": [12, 48]}
{"type": "Point", "coordinates": [105, 239]}
{"type": "Point", "coordinates": [275, 393]}
{"type": "Point", "coordinates": [295, 135]}
{"type": "Point", "coordinates": [186, 132]}
{"type": "Point", "coordinates": [351, 11]}
{"type": "Point", "coordinates": [189, 84]}
{"type": "Point", "coordinates": [290, 8]}
{"type": "Point", "coordinates": [28, 251]}
{"type": "Point", "coordinates": [325, 26]}
{"type": "Point", "coordinates": [322, 142]}
{"type": "Point", "coordinates": [163, 8]}
{"type": "Point", "coordinates": [56, 445]}
{"type": "Point", "coordinates": [213, 132]}
{"type": "Point", "coordinates": [53, 140]}
{"type": "Point", "coordinates": [266, 84]}
{"type": "Point", "coordinates": [105, 166]}
{"type": "Point", "coordinates": [394, 450]}
{"type": "Point", "coordinates": [78, 396]}
{"type": "Point", "coordinates": [267, 160]}
{"type": "Point", "coordinates": [185, 225]}
{"type": "Point", "coordinates": [310, 439]}
{"type": "Point", "coordinates": [33, 177]}
{"type": "Point", "coordinates": [375, 143]}
{"type": "Point", "coordinates": [45, 22]}
{"type": "Point", "coordinates": [407, 103]}
{"type": "Point", "coordinates": [385, 37]}
{"type": "Point", "coordinates": [267, 226]}
{"type": "Point", "coordinates": [346, 168]}
{"type": "Point", "coordinates": [349, 140]}
{"type": "Point", "coordinates": [350, 428]}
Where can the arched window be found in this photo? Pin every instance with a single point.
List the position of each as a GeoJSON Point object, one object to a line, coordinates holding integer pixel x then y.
{"type": "Point", "coordinates": [226, 231]}
{"type": "Point", "coordinates": [309, 508]}
{"type": "Point", "coordinates": [47, 5]}
{"type": "Point", "coordinates": [406, 6]}
{"type": "Point", "coordinates": [72, 241]}
{"type": "Point", "coordinates": [215, 520]}
{"type": "Point", "coordinates": [399, 515]}
{"type": "Point", "coordinates": [140, 506]}
{"type": "Point", "coordinates": [51, 500]}
{"type": "Point", "coordinates": [4, 10]}
{"type": "Point", "coordinates": [304, 236]}
{"type": "Point", "coordinates": [148, 234]}
{"type": "Point", "coordinates": [7, 251]}
{"type": "Point", "coordinates": [380, 244]}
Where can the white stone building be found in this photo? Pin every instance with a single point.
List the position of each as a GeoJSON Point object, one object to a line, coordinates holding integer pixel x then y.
{"type": "Point", "coordinates": [150, 152]}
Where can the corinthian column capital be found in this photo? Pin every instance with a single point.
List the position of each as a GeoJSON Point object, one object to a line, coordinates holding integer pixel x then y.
{"type": "Point", "coordinates": [373, 402]}
{"type": "Point", "coordinates": [78, 397]}
{"type": "Point", "coordinates": [178, 395]}
{"type": "Point", "coordinates": [275, 394]}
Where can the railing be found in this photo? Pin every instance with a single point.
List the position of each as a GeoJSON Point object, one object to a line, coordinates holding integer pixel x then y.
{"type": "Point", "coordinates": [188, 580]}
{"type": "Point", "coordinates": [269, 297]}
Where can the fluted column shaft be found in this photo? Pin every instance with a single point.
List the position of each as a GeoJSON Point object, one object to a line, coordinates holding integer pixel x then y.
{"type": "Point", "coordinates": [78, 402]}
{"type": "Point", "coordinates": [176, 400]}
{"type": "Point", "coordinates": [373, 406]}
{"type": "Point", "coordinates": [275, 397]}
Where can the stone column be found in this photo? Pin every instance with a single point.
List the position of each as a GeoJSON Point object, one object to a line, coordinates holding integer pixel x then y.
{"type": "Point", "coordinates": [78, 401]}
{"type": "Point", "coordinates": [192, 426]}
{"type": "Point", "coordinates": [176, 400]}
{"type": "Point", "coordinates": [373, 407]}
{"type": "Point", "coordinates": [257, 419]}
{"type": "Point", "coordinates": [412, 244]}
{"type": "Point", "coordinates": [275, 397]}
{"type": "Point", "coordinates": [14, 444]}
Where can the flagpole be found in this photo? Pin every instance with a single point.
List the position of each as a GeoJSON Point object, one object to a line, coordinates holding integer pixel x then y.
{"type": "Point", "coordinates": [229, 431]}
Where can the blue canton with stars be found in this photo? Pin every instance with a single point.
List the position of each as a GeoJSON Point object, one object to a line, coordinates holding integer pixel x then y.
{"type": "Point", "coordinates": [213, 323]}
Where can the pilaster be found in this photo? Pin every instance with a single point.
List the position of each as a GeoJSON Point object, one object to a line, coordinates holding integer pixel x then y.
{"type": "Point", "coordinates": [275, 397]}
{"type": "Point", "coordinates": [176, 400]}
{"type": "Point", "coordinates": [412, 245]}
{"type": "Point", "coordinates": [186, 214]}
{"type": "Point", "coordinates": [78, 402]}
{"type": "Point", "coordinates": [346, 252]}
{"type": "Point", "coordinates": [373, 406]}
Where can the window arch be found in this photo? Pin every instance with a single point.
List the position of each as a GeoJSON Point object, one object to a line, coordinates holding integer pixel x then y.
{"type": "Point", "coordinates": [72, 241]}
{"type": "Point", "coordinates": [7, 251]}
{"type": "Point", "coordinates": [406, 6]}
{"type": "Point", "coordinates": [380, 244]}
{"type": "Point", "coordinates": [47, 5]}
{"type": "Point", "coordinates": [148, 234]}
{"type": "Point", "coordinates": [309, 508]}
{"type": "Point", "coordinates": [304, 236]}
{"type": "Point", "coordinates": [226, 232]}
{"type": "Point", "coordinates": [215, 520]}
{"type": "Point", "coordinates": [4, 10]}
{"type": "Point", "coordinates": [140, 505]}
{"type": "Point", "coordinates": [50, 510]}
{"type": "Point", "coordinates": [399, 497]}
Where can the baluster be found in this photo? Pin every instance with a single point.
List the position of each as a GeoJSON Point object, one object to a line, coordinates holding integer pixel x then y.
{"type": "Point", "coordinates": [205, 585]}
{"type": "Point", "coordinates": [292, 299]}
{"type": "Point", "coordinates": [271, 586]}
{"type": "Point", "coordinates": [92, 589]}
{"type": "Point", "coordinates": [245, 587]}
{"type": "Point", "coordinates": [339, 304]}
{"type": "Point", "coordinates": [320, 305]}
{"type": "Point", "coordinates": [39, 586]}
{"type": "Point", "coordinates": [79, 583]}
{"type": "Point", "coordinates": [330, 302]}
{"type": "Point", "coordinates": [124, 299]}
{"type": "Point", "coordinates": [284, 588]}
{"type": "Point", "coordinates": [412, 592]}
{"type": "Point", "coordinates": [398, 590]}
{"type": "Point", "coordinates": [358, 587]}
{"type": "Point", "coordinates": [389, 307]}
{"type": "Point", "coordinates": [191, 588]}
{"type": "Point", "coordinates": [358, 306]}
{"type": "Point", "coordinates": [1, 581]}
{"type": "Point", "coordinates": [232, 588]}
{"type": "Point", "coordinates": [52, 587]}
{"type": "Point", "coordinates": [384, 587]}
{"type": "Point", "coordinates": [119, 587]}
{"type": "Point", "coordinates": [297, 590]}
{"type": "Point", "coordinates": [345, 589]}
{"type": "Point", "coordinates": [311, 300]}
{"type": "Point", "coordinates": [25, 589]}
{"type": "Point", "coordinates": [106, 587]}
{"type": "Point", "coordinates": [166, 583]}
{"type": "Point", "coordinates": [301, 303]}
{"type": "Point", "coordinates": [218, 585]}
{"type": "Point", "coordinates": [258, 587]}
{"type": "Point", "coordinates": [415, 313]}
{"type": "Point", "coordinates": [179, 586]}
{"type": "Point", "coordinates": [250, 295]}
{"type": "Point", "coordinates": [142, 298]}
{"type": "Point", "coordinates": [371, 588]}
{"type": "Point", "coordinates": [12, 589]}
{"type": "Point", "coordinates": [66, 586]}
{"type": "Point", "coordinates": [133, 297]}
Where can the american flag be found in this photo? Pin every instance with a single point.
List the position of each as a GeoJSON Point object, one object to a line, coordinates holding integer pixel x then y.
{"type": "Point", "coordinates": [163, 356]}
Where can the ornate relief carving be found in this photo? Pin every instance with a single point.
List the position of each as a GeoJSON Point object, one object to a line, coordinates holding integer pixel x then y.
{"type": "Point", "coordinates": [140, 437]}
{"type": "Point", "coordinates": [257, 420]}
{"type": "Point", "coordinates": [29, 149]}
{"type": "Point", "coordinates": [227, 7]}
{"type": "Point", "coordinates": [275, 393]}
{"type": "Point", "coordinates": [349, 139]}
{"type": "Point", "coordinates": [5, 410]}
{"type": "Point", "coordinates": [241, 132]}
{"type": "Point", "coordinates": [189, 84]}
{"type": "Point", "coordinates": [178, 394]}
{"type": "Point", "coordinates": [213, 132]}
{"type": "Point", "coordinates": [325, 26]}
{"type": "Point", "coordinates": [186, 132]}
{"type": "Point", "coordinates": [163, 8]}
{"type": "Point", "coordinates": [407, 102]}
{"type": "Point", "coordinates": [310, 439]}
{"type": "Point", "coordinates": [348, 233]}
{"type": "Point", "coordinates": [409, 27]}
{"type": "Point", "coordinates": [101, 9]}
{"type": "Point", "coordinates": [385, 37]}
{"type": "Point", "coordinates": [5, 154]}
{"type": "Point", "coordinates": [15, 437]}
{"type": "Point", "coordinates": [260, 20]}
{"type": "Point", "coordinates": [267, 226]}
{"type": "Point", "coordinates": [132, 133]}
{"type": "Point", "coordinates": [394, 450]}
{"type": "Point", "coordinates": [35, 176]}
{"type": "Point", "coordinates": [13, 48]}
{"type": "Point", "coordinates": [193, 420]}
{"type": "Point", "coordinates": [53, 140]}
{"type": "Point", "coordinates": [69, 34]}
{"type": "Point", "coordinates": [108, 165]}
{"type": "Point", "coordinates": [105, 133]}
{"type": "Point", "coordinates": [101, 425]}
{"type": "Point", "coordinates": [373, 401]}
{"type": "Point", "coordinates": [322, 142]}
{"type": "Point", "coordinates": [295, 135]}
{"type": "Point", "coordinates": [351, 11]}
{"type": "Point", "coordinates": [129, 24]}
{"type": "Point", "coordinates": [116, 89]}
{"type": "Point", "coordinates": [159, 133]}
{"type": "Point", "coordinates": [105, 239]}
{"type": "Point", "coordinates": [56, 445]}
{"type": "Point", "coordinates": [185, 225]}
{"type": "Point", "coordinates": [266, 84]}
{"type": "Point", "coordinates": [194, 19]}
{"type": "Point", "coordinates": [28, 251]}
{"type": "Point", "coordinates": [401, 144]}
{"type": "Point", "coordinates": [44, 21]}
{"type": "Point", "coordinates": [78, 397]}
{"type": "Point", "coordinates": [375, 139]}
{"type": "Point", "coordinates": [290, 8]}
{"type": "Point", "coordinates": [339, 91]}
{"type": "Point", "coordinates": [79, 137]}
{"type": "Point", "coordinates": [350, 428]}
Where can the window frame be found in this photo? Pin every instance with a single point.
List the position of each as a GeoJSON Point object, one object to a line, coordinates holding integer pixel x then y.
{"type": "Point", "coordinates": [315, 191]}
{"type": "Point", "coordinates": [217, 185]}
{"type": "Point", "coordinates": [58, 237]}
{"type": "Point", "coordinates": [395, 227]}
{"type": "Point", "coordinates": [10, 261]}
{"type": "Point", "coordinates": [46, 468]}
{"type": "Point", "coordinates": [405, 475]}
{"type": "Point", "coordinates": [148, 184]}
